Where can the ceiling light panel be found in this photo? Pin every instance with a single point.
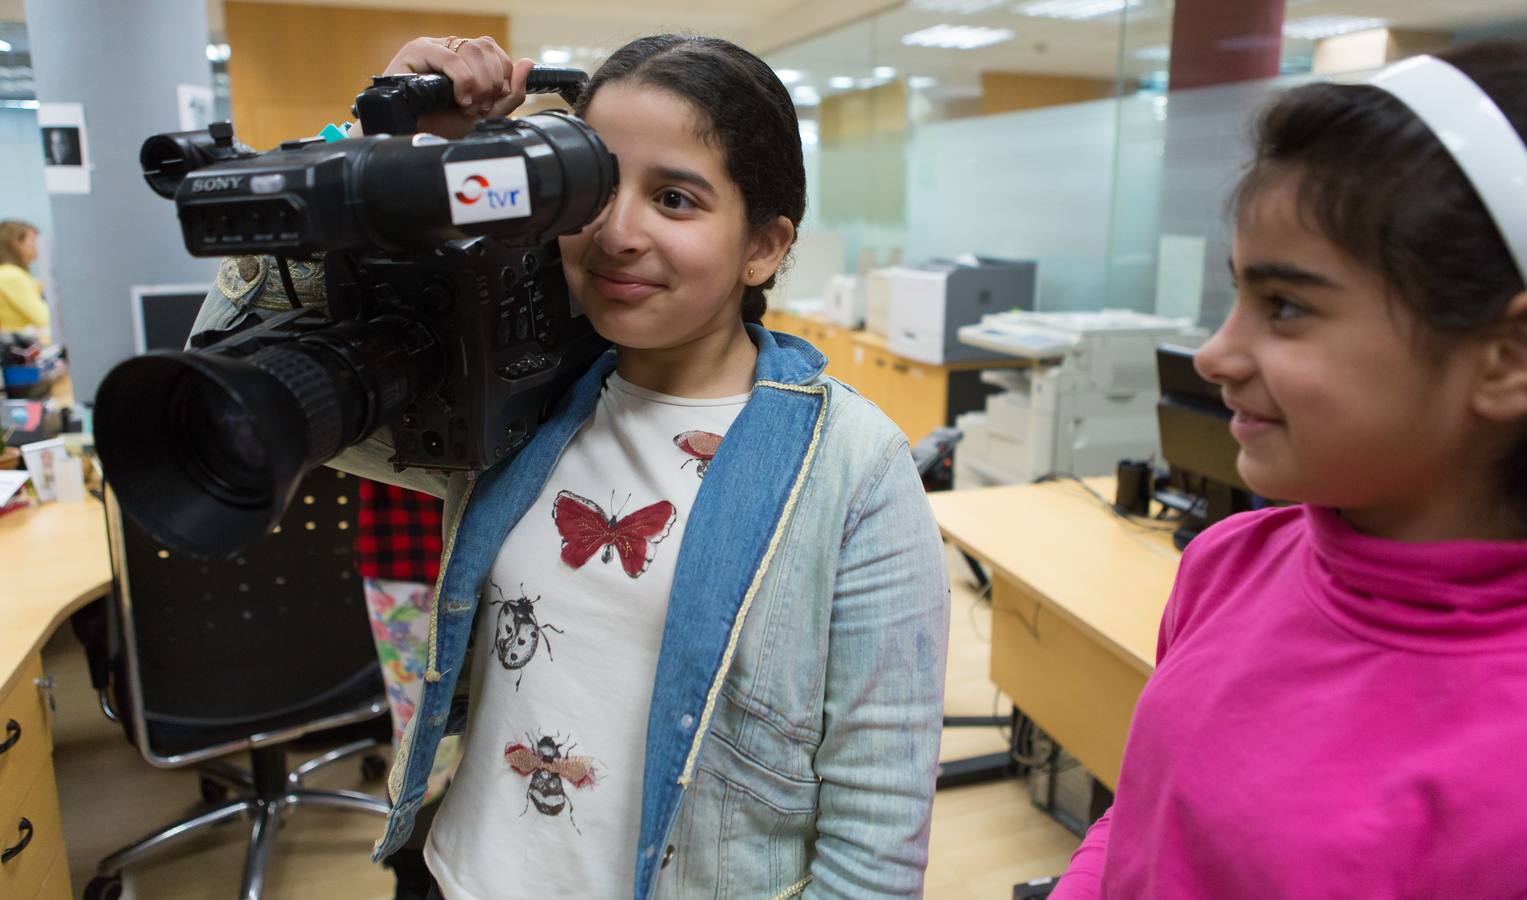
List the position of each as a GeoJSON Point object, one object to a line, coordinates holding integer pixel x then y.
{"type": "Point", "coordinates": [1317, 28]}
{"type": "Point", "coordinates": [1075, 10]}
{"type": "Point", "coordinates": [956, 7]}
{"type": "Point", "coordinates": [957, 37]}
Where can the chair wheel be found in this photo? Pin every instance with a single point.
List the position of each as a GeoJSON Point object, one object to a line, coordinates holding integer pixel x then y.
{"type": "Point", "coordinates": [104, 888]}
{"type": "Point", "coordinates": [373, 767]}
{"type": "Point", "coordinates": [213, 793]}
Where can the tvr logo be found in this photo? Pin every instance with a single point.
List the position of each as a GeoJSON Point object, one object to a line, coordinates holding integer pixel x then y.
{"type": "Point", "coordinates": [487, 190]}
{"type": "Point", "coordinates": [476, 187]}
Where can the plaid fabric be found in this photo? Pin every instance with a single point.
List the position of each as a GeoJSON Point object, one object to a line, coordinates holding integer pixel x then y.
{"type": "Point", "coordinates": [399, 534]}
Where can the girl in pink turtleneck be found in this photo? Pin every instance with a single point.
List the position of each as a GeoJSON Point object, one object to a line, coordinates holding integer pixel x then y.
{"type": "Point", "coordinates": [1340, 703]}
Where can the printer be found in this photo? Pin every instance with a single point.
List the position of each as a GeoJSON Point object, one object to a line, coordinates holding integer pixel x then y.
{"type": "Point", "coordinates": [928, 304]}
{"type": "Point", "coordinates": [1088, 400]}
{"type": "Point", "coordinates": [843, 300]}
{"type": "Point", "coordinates": [877, 301]}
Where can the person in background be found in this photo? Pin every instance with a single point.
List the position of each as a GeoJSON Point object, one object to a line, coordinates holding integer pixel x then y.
{"type": "Point", "coordinates": [1340, 695]}
{"type": "Point", "coordinates": [397, 552]}
{"type": "Point", "coordinates": [21, 303]}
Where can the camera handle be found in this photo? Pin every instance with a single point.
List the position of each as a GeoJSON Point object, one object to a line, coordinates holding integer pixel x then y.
{"type": "Point", "coordinates": [561, 80]}
{"type": "Point", "coordinates": [394, 103]}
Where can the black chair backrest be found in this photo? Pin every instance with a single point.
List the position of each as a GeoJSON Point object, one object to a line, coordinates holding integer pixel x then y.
{"type": "Point", "coordinates": [264, 636]}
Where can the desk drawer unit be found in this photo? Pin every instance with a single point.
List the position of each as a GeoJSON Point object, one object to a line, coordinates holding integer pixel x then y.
{"type": "Point", "coordinates": [30, 831]}
{"type": "Point", "coordinates": [56, 885]}
{"type": "Point", "coordinates": [1073, 687]}
{"type": "Point", "coordinates": [28, 745]}
{"type": "Point", "coordinates": [34, 841]}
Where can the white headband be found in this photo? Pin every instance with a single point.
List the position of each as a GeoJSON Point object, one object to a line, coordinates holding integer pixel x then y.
{"type": "Point", "coordinates": [1476, 133]}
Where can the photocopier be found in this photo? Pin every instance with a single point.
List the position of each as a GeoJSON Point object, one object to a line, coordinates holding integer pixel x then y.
{"type": "Point", "coordinates": [1088, 400]}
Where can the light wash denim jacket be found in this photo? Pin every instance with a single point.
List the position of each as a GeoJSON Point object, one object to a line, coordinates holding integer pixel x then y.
{"type": "Point", "coordinates": [793, 737]}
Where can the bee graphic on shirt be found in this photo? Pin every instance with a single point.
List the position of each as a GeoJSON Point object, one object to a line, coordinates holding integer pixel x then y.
{"type": "Point", "coordinates": [517, 634]}
{"type": "Point", "coordinates": [550, 765]}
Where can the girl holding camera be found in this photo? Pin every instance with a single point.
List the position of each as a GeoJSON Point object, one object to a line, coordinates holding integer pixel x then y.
{"type": "Point", "coordinates": [703, 614]}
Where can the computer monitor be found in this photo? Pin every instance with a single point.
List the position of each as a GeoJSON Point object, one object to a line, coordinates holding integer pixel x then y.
{"type": "Point", "coordinates": [163, 315]}
{"type": "Point", "coordinates": [1202, 484]}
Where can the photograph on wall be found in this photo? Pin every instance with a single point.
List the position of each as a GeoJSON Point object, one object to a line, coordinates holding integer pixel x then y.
{"type": "Point", "coordinates": [65, 150]}
{"type": "Point", "coordinates": [61, 145]}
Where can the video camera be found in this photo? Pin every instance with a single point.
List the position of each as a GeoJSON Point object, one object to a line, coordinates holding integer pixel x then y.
{"type": "Point", "coordinates": [448, 319]}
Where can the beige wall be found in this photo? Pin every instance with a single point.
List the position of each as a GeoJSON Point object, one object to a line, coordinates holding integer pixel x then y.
{"type": "Point", "coordinates": [1372, 49]}
{"type": "Point", "coordinates": [1012, 91]}
{"type": "Point", "coordinates": [857, 114]}
{"type": "Point", "coordinates": [294, 69]}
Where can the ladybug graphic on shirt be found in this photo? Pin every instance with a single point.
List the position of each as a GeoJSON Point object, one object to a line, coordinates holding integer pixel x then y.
{"type": "Point", "coordinates": [586, 529]}
{"type": "Point", "coordinates": [551, 766]}
{"type": "Point", "coordinates": [518, 633]}
{"type": "Point", "coordinates": [702, 445]}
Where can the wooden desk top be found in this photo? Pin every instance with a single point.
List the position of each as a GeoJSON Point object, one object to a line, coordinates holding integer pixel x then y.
{"type": "Point", "coordinates": [872, 341]}
{"type": "Point", "coordinates": [53, 560]}
{"type": "Point", "coordinates": [1108, 577]}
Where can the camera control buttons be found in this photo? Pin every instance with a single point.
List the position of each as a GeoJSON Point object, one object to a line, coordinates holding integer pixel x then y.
{"type": "Point", "coordinates": [525, 365]}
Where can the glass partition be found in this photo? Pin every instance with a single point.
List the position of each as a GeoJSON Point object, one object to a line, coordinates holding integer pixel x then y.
{"type": "Point", "coordinates": [1050, 130]}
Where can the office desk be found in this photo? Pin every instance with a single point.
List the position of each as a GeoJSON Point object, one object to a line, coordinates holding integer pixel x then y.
{"type": "Point", "coordinates": [917, 396]}
{"type": "Point", "coordinates": [53, 560]}
{"type": "Point", "coordinates": [1077, 595]}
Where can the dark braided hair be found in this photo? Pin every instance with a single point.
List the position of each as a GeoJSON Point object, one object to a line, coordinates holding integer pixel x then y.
{"type": "Point", "coordinates": [747, 114]}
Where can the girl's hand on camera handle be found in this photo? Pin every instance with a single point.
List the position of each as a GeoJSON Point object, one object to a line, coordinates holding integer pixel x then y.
{"type": "Point", "coordinates": [487, 82]}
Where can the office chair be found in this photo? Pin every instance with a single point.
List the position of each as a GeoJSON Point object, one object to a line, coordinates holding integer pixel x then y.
{"type": "Point", "coordinates": [205, 659]}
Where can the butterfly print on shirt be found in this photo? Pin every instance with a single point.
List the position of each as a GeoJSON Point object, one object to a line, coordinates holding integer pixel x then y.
{"type": "Point", "coordinates": [702, 445]}
{"type": "Point", "coordinates": [585, 529]}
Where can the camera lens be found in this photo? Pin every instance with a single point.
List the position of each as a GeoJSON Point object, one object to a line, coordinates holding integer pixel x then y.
{"type": "Point", "coordinates": [209, 468]}
{"type": "Point", "coordinates": [202, 451]}
{"type": "Point", "coordinates": [222, 449]}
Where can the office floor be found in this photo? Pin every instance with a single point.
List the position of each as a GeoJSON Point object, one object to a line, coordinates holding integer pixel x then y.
{"type": "Point", "coordinates": [985, 838]}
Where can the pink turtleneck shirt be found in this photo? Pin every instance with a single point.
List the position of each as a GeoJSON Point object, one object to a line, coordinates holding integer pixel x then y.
{"type": "Point", "coordinates": [1332, 715]}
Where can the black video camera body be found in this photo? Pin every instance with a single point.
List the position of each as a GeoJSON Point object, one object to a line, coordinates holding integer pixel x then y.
{"type": "Point", "coordinates": [448, 319]}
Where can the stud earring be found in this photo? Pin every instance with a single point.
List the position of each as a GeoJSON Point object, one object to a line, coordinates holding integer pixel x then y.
{"type": "Point", "coordinates": [750, 271]}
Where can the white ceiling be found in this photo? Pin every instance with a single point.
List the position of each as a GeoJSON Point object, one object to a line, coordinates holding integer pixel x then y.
{"type": "Point", "coordinates": [762, 25]}
{"type": "Point", "coordinates": [825, 38]}
{"type": "Point", "coordinates": [1090, 48]}
{"type": "Point", "coordinates": [759, 24]}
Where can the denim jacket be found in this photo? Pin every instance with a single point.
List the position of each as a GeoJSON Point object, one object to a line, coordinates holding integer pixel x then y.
{"type": "Point", "coordinates": [793, 737]}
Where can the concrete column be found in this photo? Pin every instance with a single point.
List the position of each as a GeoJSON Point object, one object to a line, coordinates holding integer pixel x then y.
{"type": "Point", "coordinates": [122, 61]}
{"type": "Point", "coordinates": [1214, 42]}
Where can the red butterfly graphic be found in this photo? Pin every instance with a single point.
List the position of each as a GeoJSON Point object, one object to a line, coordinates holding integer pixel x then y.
{"type": "Point", "coordinates": [585, 529]}
{"type": "Point", "coordinates": [702, 445]}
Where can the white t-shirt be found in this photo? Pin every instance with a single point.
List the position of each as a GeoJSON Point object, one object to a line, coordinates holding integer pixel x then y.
{"type": "Point", "coordinates": [547, 801]}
